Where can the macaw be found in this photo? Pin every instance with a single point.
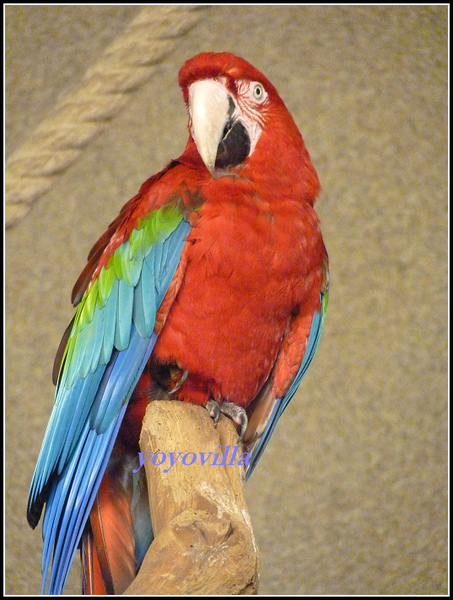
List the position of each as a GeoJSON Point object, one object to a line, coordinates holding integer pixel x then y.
{"type": "Point", "coordinates": [209, 287]}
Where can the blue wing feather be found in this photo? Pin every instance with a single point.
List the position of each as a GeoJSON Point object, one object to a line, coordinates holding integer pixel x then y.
{"type": "Point", "coordinates": [97, 379]}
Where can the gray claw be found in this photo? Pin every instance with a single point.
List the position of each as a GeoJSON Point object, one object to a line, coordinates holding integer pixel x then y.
{"type": "Point", "coordinates": [213, 409]}
{"type": "Point", "coordinates": [184, 375]}
{"type": "Point", "coordinates": [237, 414]}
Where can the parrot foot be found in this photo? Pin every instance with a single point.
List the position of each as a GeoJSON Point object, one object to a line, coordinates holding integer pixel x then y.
{"type": "Point", "coordinates": [236, 413]}
{"type": "Point", "coordinates": [179, 378]}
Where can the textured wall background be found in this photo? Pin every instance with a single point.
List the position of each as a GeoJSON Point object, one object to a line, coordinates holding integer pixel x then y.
{"type": "Point", "coordinates": [351, 495]}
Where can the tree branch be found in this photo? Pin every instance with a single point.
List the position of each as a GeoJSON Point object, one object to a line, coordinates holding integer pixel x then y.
{"type": "Point", "coordinates": [203, 542]}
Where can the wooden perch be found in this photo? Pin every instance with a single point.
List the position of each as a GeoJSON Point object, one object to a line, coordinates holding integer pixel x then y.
{"type": "Point", "coordinates": [204, 542]}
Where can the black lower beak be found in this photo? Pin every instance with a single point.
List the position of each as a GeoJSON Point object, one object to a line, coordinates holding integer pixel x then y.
{"type": "Point", "coordinates": [234, 147]}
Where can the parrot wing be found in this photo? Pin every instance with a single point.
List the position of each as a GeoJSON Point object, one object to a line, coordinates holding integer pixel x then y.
{"type": "Point", "coordinates": [106, 349]}
{"type": "Point", "coordinates": [267, 409]}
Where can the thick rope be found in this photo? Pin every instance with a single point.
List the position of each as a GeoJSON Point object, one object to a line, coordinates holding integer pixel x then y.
{"type": "Point", "coordinates": [59, 139]}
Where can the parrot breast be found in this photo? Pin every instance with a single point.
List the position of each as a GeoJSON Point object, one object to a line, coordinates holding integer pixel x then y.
{"type": "Point", "coordinates": [249, 269]}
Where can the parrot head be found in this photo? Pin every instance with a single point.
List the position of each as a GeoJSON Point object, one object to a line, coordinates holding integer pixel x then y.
{"type": "Point", "coordinates": [239, 123]}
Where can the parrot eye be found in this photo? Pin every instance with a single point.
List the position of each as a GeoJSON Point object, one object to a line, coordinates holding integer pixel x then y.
{"type": "Point", "coordinates": [258, 92]}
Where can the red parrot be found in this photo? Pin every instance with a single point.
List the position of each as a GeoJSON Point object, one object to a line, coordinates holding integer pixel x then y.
{"type": "Point", "coordinates": [209, 287]}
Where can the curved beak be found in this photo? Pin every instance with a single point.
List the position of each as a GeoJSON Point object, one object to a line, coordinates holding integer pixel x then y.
{"type": "Point", "coordinates": [209, 110]}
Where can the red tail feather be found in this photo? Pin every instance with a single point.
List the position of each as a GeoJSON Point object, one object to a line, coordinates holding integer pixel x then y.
{"type": "Point", "coordinates": [108, 555]}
